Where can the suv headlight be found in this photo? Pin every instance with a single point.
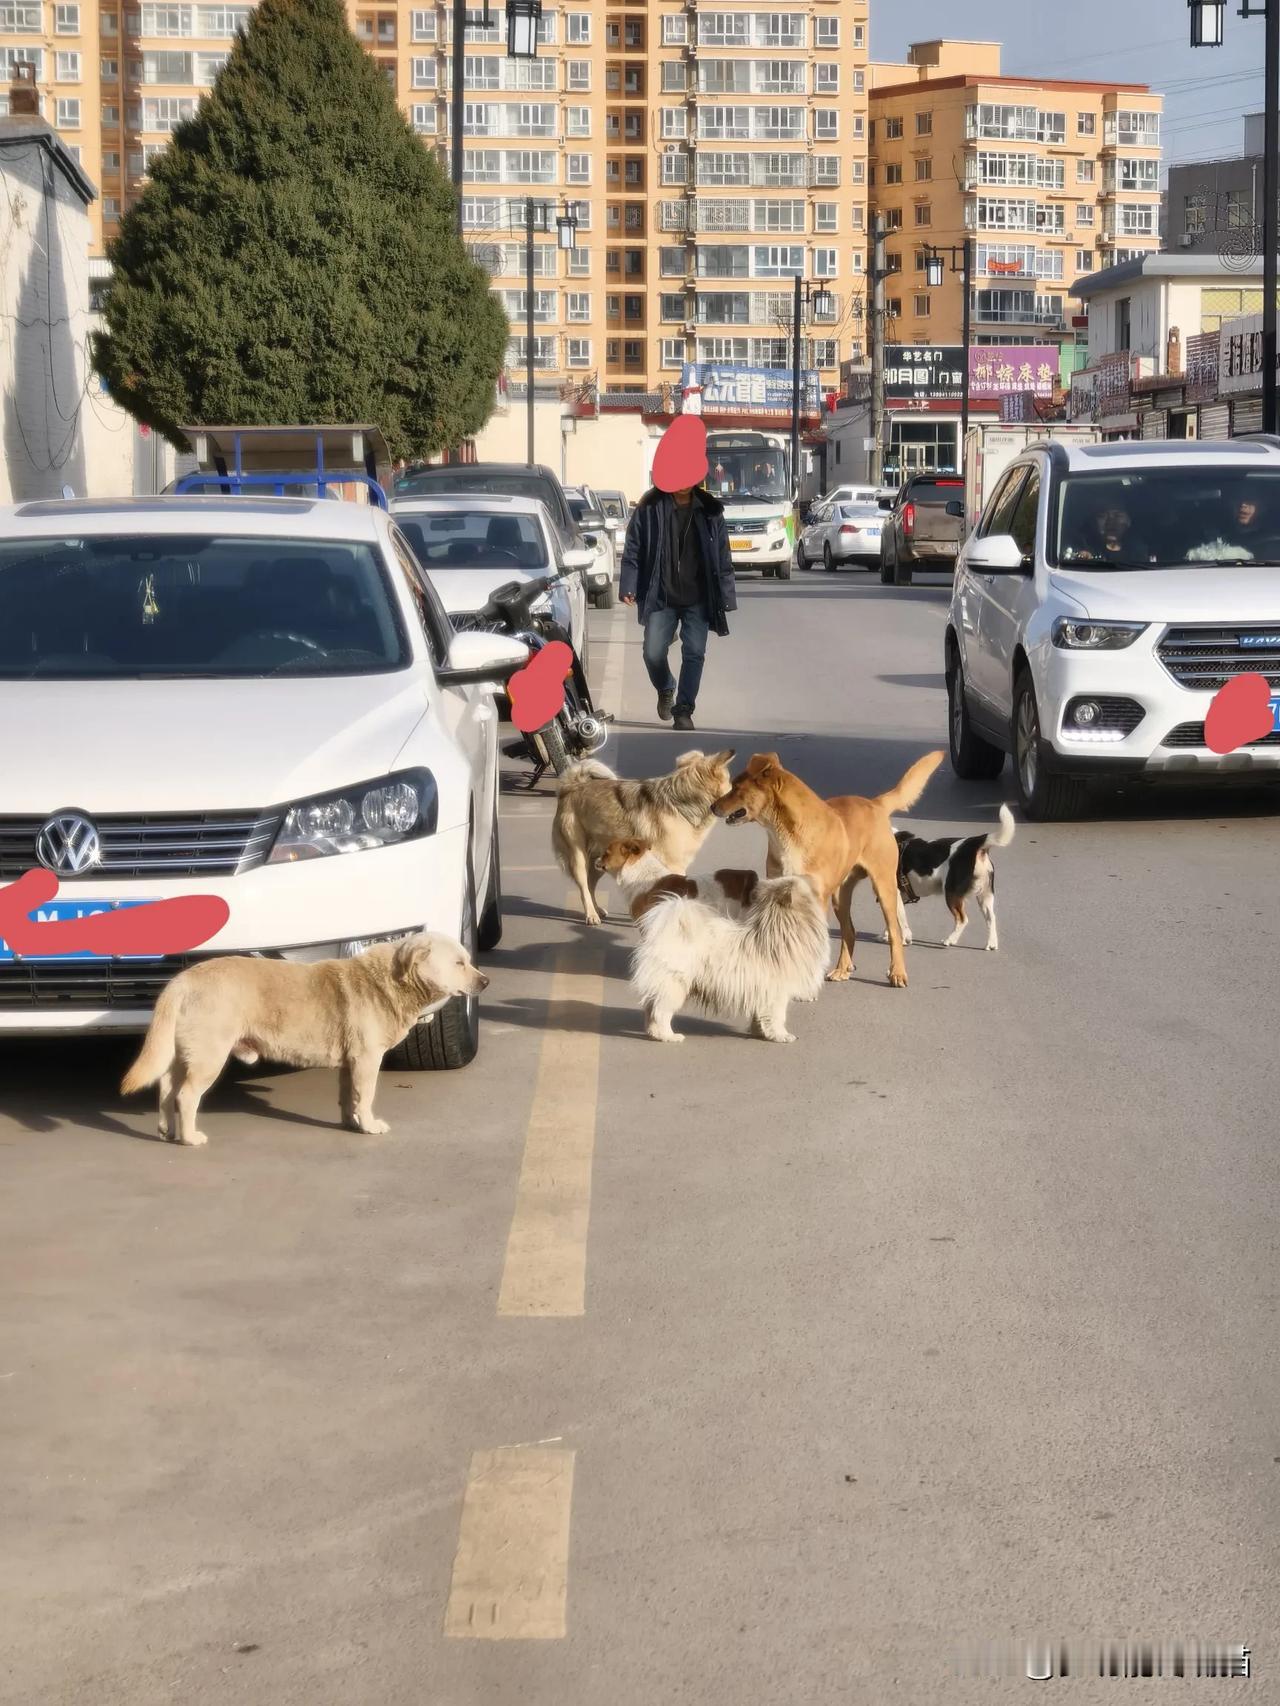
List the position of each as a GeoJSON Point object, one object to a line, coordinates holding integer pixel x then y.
{"type": "Point", "coordinates": [1096, 636]}
{"type": "Point", "coordinates": [354, 820]}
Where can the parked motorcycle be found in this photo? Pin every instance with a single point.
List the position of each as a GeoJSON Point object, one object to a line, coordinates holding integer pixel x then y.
{"type": "Point", "coordinates": [522, 610]}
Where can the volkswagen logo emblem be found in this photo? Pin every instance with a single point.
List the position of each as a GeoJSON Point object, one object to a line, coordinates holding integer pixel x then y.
{"type": "Point", "coordinates": [69, 844]}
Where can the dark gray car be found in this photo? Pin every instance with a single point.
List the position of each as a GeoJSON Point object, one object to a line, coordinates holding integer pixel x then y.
{"type": "Point", "coordinates": [924, 529]}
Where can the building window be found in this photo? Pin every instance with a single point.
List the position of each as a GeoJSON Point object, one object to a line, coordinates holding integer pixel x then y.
{"type": "Point", "coordinates": [1084, 215]}
{"type": "Point", "coordinates": [826, 78]}
{"type": "Point", "coordinates": [826, 32]}
{"type": "Point", "coordinates": [825, 263]}
{"type": "Point", "coordinates": [67, 67]}
{"type": "Point", "coordinates": [675, 31]}
{"type": "Point", "coordinates": [1084, 171]}
{"type": "Point", "coordinates": [1084, 260]}
{"type": "Point", "coordinates": [422, 26]}
{"type": "Point", "coordinates": [673, 352]}
{"type": "Point", "coordinates": [110, 207]}
{"type": "Point", "coordinates": [108, 24]}
{"type": "Point", "coordinates": [1195, 213]}
{"type": "Point", "coordinates": [68, 115]}
{"type": "Point", "coordinates": [111, 115]}
{"type": "Point", "coordinates": [893, 307]}
{"type": "Point", "coordinates": [922, 307]}
{"type": "Point", "coordinates": [111, 160]}
{"type": "Point", "coordinates": [424, 118]}
{"type": "Point", "coordinates": [422, 72]}
{"type": "Point", "coordinates": [66, 20]}
{"type": "Point", "coordinates": [578, 75]}
{"type": "Point", "coordinates": [924, 215]}
{"type": "Point", "coordinates": [924, 124]}
{"type": "Point", "coordinates": [577, 121]}
{"type": "Point", "coordinates": [1086, 124]}
{"type": "Point", "coordinates": [577, 169]}
{"type": "Point", "coordinates": [578, 305]}
{"type": "Point", "coordinates": [892, 129]}
{"type": "Point", "coordinates": [579, 352]}
{"type": "Point", "coordinates": [893, 172]}
{"type": "Point", "coordinates": [387, 32]}
{"type": "Point", "coordinates": [924, 171]}
{"type": "Point", "coordinates": [825, 215]}
{"type": "Point", "coordinates": [578, 29]}
{"type": "Point", "coordinates": [857, 217]}
{"type": "Point", "coordinates": [893, 219]}
{"type": "Point", "coordinates": [579, 263]}
{"type": "Point", "coordinates": [675, 122]}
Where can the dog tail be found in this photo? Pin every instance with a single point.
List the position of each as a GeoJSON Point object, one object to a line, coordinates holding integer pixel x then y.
{"type": "Point", "coordinates": [157, 1051]}
{"type": "Point", "coordinates": [585, 770]}
{"type": "Point", "coordinates": [905, 793]}
{"type": "Point", "coordinates": [1004, 835]}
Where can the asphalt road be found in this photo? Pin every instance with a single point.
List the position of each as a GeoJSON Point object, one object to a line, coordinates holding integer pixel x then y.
{"type": "Point", "coordinates": [728, 1374]}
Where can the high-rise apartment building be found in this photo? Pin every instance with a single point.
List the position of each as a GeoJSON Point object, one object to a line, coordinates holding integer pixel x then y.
{"type": "Point", "coordinates": [1051, 179]}
{"type": "Point", "coordinates": [714, 150]}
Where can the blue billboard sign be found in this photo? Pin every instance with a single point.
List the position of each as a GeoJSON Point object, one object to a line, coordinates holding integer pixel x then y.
{"type": "Point", "coordinates": [731, 390]}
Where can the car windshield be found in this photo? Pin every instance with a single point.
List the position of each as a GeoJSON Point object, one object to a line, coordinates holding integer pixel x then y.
{"type": "Point", "coordinates": [475, 539]}
{"type": "Point", "coordinates": [741, 476]}
{"type": "Point", "coordinates": [433, 482]}
{"type": "Point", "coordinates": [1170, 517]}
{"type": "Point", "coordinates": [860, 512]}
{"type": "Point", "coordinates": [939, 492]}
{"type": "Point", "coordinates": [581, 509]}
{"type": "Point", "coordinates": [614, 506]}
{"type": "Point", "coordinates": [133, 606]}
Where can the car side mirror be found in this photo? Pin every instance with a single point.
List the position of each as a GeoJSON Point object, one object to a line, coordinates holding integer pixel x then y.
{"type": "Point", "coordinates": [482, 660]}
{"type": "Point", "coordinates": [997, 554]}
{"type": "Point", "coordinates": [578, 559]}
{"type": "Point", "coordinates": [955, 507]}
{"type": "Point", "coordinates": [593, 518]}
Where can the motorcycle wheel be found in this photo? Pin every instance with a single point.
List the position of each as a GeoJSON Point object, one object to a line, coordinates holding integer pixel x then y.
{"type": "Point", "coordinates": [551, 743]}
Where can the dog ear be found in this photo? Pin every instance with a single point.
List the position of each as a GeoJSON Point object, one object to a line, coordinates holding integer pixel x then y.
{"type": "Point", "coordinates": [687, 758]}
{"type": "Point", "coordinates": [402, 961]}
{"type": "Point", "coordinates": [763, 764]}
{"type": "Point", "coordinates": [722, 760]}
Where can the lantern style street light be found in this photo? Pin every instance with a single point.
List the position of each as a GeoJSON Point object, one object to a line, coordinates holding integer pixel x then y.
{"type": "Point", "coordinates": [935, 267]}
{"type": "Point", "coordinates": [523, 18]}
{"type": "Point", "coordinates": [1207, 19]}
{"type": "Point", "coordinates": [821, 302]}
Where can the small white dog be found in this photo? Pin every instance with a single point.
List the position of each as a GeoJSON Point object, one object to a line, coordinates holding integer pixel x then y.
{"type": "Point", "coordinates": [776, 953]}
{"type": "Point", "coordinates": [343, 1013]}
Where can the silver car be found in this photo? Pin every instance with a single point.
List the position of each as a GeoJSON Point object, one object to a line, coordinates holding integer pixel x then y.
{"type": "Point", "coordinates": [841, 533]}
{"type": "Point", "coordinates": [590, 517]}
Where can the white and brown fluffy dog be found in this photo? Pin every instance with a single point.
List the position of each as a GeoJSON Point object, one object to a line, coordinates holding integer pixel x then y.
{"type": "Point", "coordinates": [645, 880]}
{"type": "Point", "coordinates": [959, 870]}
{"type": "Point", "coordinates": [343, 1013]}
{"type": "Point", "coordinates": [672, 813]}
{"type": "Point", "coordinates": [755, 965]}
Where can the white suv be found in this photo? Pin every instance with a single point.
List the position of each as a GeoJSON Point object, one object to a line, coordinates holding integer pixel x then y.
{"type": "Point", "coordinates": [258, 698]}
{"type": "Point", "coordinates": [1105, 596]}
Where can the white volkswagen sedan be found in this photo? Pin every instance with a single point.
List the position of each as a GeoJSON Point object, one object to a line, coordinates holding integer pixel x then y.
{"type": "Point", "coordinates": [472, 544]}
{"type": "Point", "coordinates": [261, 699]}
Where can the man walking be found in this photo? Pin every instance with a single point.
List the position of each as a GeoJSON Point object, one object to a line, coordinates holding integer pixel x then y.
{"type": "Point", "coordinates": [677, 568]}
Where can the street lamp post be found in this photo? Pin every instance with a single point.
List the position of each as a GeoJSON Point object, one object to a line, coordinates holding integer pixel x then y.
{"type": "Point", "coordinates": [934, 272]}
{"type": "Point", "coordinates": [523, 17]}
{"type": "Point", "coordinates": [819, 297]}
{"type": "Point", "coordinates": [537, 216]}
{"type": "Point", "coordinates": [1207, 31]}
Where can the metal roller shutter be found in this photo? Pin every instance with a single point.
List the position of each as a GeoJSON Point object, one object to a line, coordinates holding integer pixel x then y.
{"type": "Point", "coordinates": [1215, 420]}
{"type": "Point", "coordinates": [1155, 424]}
{"type": "Point", "coordinates": [1246, 416]}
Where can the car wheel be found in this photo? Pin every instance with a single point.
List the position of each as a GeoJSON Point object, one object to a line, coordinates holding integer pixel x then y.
{"type": "Point", "coordinates": [901, 571]}
{"type": "Point", "coordinates": [782, 571]}
{"type": "Point", "coordinates": [450, 1038]}
{"type": "Point", "coordinates": [489, 929]}
{"type": "Point", "coordinates": [972, 758]}
{"type": "Point", "coordinates": [766, 571]}
{"type": "Point", "coordinates": [802, 562]}
{"type": "Point", "coordinates": [886, 567]}
{"type": "Point", "coordinates": [828, 561]}
{"type": "Point", "coordinates": [1045, 798]}
{"type": "Point", "coordinates": [604, 598]}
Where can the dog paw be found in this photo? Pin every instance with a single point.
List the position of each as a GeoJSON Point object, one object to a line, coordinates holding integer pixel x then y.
{"type": "Point", "coordinates": [898, 979]}
{"type": "Point", "coordinates": [196, 1140]}
{"type": "Point", "coordinates": [838, 976]}
{"type": "Point", "coordinates": [993, 947]}
{"type": "Point", "coordinates": [808, 999]}
{"type": "Point", "coordinates": [374, 1128]}
{"type": "Point", "coordinates": [664, 1036]}
{"type": "Point", "coordinates": [779, 1037]}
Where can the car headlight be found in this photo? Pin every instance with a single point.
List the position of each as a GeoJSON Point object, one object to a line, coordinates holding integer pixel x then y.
{"type": "Point", "coordinates": [1095, 636]}
{"type": "Point", "coordinates": [354, 820]}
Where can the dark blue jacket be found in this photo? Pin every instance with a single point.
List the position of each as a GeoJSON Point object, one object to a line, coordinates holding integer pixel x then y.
{"type": "Point", "coordinates": [645, 553]}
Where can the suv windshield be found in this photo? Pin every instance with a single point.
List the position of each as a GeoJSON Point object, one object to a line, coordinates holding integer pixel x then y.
{"type": "Point", "coordinates": [1173, 517]}
{"type": "Point", "coordinates": [133, 606]}
{"type": "Point", "coordinates": [457, 477]}
{"type": "Point", "coordinates": [928, 490]}
{"type": "Point", "coordinates": [475, 539]}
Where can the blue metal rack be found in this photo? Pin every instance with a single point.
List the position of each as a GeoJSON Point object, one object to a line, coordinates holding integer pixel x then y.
{"type": "Point", "coordinates": [232, 480]}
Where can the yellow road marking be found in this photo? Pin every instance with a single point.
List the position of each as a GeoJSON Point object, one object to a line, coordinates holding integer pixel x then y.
{"type": "Point", "coordinates": [511, 1570]}
{"type": "Point", "coordinates": [545, 1272]}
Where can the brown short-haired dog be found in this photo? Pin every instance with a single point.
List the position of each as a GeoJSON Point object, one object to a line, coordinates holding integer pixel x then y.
{"type": "Point", "coordinates": [835, 842]}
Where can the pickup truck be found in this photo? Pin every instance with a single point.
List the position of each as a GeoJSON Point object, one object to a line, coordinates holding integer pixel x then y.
{"type": "Point", "coordinates": [924, 529]}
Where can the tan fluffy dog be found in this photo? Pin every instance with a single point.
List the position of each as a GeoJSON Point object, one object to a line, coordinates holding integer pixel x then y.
{"type": "Point", "coordinates": [343, 1013]}
{"type": "Point", "coordinates": [672, 813]}
{"type": "Point", "coordinates": [836, 842]}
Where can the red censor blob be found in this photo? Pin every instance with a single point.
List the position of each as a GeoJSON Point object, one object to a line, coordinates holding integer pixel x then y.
{"type": "Point", "coordinates": [681, 460]}
{"type": "Point", "coordinates": [154, 928]}
{"type": "Point", "coordinates": [1240, 713]}
{"type": "Point", "coordinates": [537, 691]}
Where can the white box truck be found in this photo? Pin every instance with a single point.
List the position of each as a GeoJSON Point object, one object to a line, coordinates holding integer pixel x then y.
{"type": "Point", "coordinates": [992, 446]}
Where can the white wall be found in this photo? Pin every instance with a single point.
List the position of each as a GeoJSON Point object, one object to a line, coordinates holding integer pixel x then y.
{"type": "Point", "coordinates": [1155, 304]}
{"type": "Point", "coordinates": [57, 425]}
{"type": "Point", "coordinates": [613, 451]}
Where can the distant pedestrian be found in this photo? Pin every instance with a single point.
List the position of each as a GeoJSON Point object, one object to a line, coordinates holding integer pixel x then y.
{"type": "Point", "coordinates": [677, 570]}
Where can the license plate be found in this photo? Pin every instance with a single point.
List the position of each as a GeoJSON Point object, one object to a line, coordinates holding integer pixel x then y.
{"type": "Point", "coordinates": [739, 544]}
{"type": "Point", "coordinates": [63, 909]}
{"type": "Point", "coordinates": [1275, 716]}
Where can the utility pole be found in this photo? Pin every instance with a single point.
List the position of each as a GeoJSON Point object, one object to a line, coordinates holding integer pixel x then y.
{"type": "Point", "coordinates": [875, 468]}
{"type": "Point", "coordinates": [967, 275]}
{"type": "Point", "coordinates": [795, 388]}
{"type": "Point", "coordinates": [528, 319]}
{"type": "Point", "coordinates": [459, 93]}
{"type": "Point", "coordinates": [1270, 191]}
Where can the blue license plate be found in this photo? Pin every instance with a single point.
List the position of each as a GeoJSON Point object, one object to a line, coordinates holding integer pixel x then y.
{"type": "Point", "coordinates": [56, 910]}
{"type": "Point", "coordinates": [1275, 716]}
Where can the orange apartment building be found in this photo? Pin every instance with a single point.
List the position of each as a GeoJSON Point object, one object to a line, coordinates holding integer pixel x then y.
{"type": "Point", "coordinates": [713, 150]}
{"type": "Point", "coordinates": [1051, 179]}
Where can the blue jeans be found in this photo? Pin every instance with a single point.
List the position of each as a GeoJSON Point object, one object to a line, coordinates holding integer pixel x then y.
{"type": "Point", "coordinates": [659, 634]}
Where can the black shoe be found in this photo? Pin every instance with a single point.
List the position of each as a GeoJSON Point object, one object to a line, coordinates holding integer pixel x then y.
{"type": "Point", "coordinates": [683, 721]}
{"type": "Point", "coordinates": [665, 702]}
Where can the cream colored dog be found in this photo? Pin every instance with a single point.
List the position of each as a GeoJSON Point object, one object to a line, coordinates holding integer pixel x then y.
{"type": "Point", "coordinates": [343, 1013]}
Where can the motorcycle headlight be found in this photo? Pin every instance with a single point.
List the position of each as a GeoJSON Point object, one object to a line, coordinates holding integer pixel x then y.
{"type": "Point", "coordinates": [355, 820]}
{"type": "Point", "coordinates": [1095, 636]}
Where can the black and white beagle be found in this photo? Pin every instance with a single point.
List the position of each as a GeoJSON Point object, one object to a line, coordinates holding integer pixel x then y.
{"type": "Point", "coordinates": [959, 870]}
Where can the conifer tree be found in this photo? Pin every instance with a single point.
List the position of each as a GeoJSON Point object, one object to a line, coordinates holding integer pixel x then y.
{"type": "Point", "coordinates": [294, 257]}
